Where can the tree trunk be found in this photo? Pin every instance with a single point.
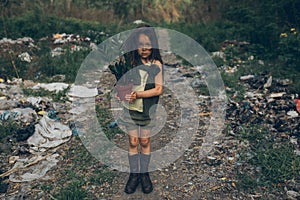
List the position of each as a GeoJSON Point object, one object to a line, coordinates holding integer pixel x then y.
{"type": "Point", "coordinates": [68, 5]}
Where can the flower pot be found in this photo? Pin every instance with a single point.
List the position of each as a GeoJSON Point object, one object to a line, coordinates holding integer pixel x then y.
{"type": "Point", "coordinates": [122, 90]}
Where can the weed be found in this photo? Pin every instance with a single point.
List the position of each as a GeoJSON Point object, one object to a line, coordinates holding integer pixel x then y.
{"type": "Point", "coordinates": [278, 164]}
{"type": "Point", "coordinates": [59, 96]}
{"type": "Point", "coordinates": [277, 161]}
{"type": "Point", "coordinates": [101, 176]}
{"type": "Point", "coordinates": [105, 118]}
{"type": "Point", "coordinates": [8, 128]}
{"type": "Point", "coordinates": [74, 191]}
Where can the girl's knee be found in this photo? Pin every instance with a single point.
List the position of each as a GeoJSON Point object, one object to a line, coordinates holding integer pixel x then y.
{"type": "Point", "coordinates": [144, 142]}
{"type": "Point", "coordinates": [134, 142]}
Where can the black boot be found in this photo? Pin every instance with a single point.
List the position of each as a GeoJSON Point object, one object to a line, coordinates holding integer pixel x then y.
{"type": "Point", "coordinates": [145, 178]}
{"type": "Point", "coordinates": [134, 177]}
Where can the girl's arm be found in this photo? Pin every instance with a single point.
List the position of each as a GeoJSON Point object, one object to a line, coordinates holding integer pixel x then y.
{"type": "Point", "coordinates": [156, 91]}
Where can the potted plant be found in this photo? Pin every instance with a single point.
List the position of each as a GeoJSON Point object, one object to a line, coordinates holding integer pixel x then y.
{"type": "Point", "coordinates": [123, 73]}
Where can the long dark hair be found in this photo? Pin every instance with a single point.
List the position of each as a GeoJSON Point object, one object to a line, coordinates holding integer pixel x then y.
{"type": "Point", "coordinates": [131, 44]}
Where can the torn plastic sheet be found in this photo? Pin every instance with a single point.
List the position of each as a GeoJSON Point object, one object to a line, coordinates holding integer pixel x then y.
{"type": "Point", "coordinates": [82, 91]}
{"type": "Point", "coordinates": [49, 133]}
{"type": "Point", "coordinates": [35, 101]}
{"type": "Point", "coordinates": [57, 86]}
{"type": "Point", "coordinates": [26, 170]}
{"type": "Point", "coordinates": [38, 101]}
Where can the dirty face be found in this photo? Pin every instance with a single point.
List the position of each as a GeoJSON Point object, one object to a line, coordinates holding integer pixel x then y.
{"type": "Point", "coordinates": [144, 46]}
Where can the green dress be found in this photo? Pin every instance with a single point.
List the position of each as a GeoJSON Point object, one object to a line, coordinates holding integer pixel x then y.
{"type": "Point", "coordinates": [140, 112]}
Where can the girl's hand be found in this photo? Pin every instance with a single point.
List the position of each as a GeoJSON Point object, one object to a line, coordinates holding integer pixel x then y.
{"type": "Point", "coordinates": [117, 97]}
{"type": "Point", "coordinates": [131, 97]}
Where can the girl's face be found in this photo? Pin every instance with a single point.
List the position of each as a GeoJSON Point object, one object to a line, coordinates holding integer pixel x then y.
{"type": "Point", "coordinates": [144, 46]}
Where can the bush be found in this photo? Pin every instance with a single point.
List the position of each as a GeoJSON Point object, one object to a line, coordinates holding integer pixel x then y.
{"type": "Point", "coordinates": [289, 49]}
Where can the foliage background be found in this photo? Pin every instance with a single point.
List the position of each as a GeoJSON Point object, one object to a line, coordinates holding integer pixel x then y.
{"type": "Point", "coordinates": [209, 22]}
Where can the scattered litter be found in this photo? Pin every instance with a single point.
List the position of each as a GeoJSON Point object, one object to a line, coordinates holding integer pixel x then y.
{"type": "Point", "coordinates": [26, 170]}
{"type": "Point", "coordinates": [219, 54]}
{"type": "Point", "coordinates": [293, 194]}
{"type": "Point", "coordinates": [229, 69]}
{"type": "Point", "coordinates": [138, 21]}
{"type": "Point", "coordinates": [197, 82]}
{"type": "Point", "coordinates": [49, 133]}
{"type": "Point", "coordinates": [57, 87]}
{"type": "Point", "coordinates": [25, 57]}
{"type": "Point", "coordinates": [42, 112]}
{"type": "Point", "coordinates": [35, 101]}
{"type": "Point", "coordinates": [243, 78]}
{"type": "Point", "coordinates": [202, 114]}
{"type": "Point", "coordinates": [82, 91]}
{"type": "Point", "coordinates": [74, 127]}
{"type": "Point", "coordinates": [3, 78]}
{"type": "Point", "coordinates": [58, 78]}
{"type": "Point", "coordinates": [25, 40]}
{"type": "Point", "coordinates": [297, 101]}
{"type": "Point", "coordinates": [68, 38]}
{"type": "Point", "coordinates": [277, 95]}
{"type": "Point", "coordinates": [268, 83]}
{"type": "Point", "coordinates": [25, 115]}
{"type": "Point", "coordinates": [113, 124]}
{"type": "Point", "coordinates": [292, 114]}
{"type": "Point", "coordinates": [53, 114]}
{"type": "Point", "coordinates": [7, 114]}
{"type": "Point", "coordinates": [13, 159]}
{"type": "Point", "coordinates": [56, 52]}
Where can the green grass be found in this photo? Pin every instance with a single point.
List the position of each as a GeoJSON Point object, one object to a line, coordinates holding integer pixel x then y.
{"type": "Point", "coordinates": [80, 171]}
{"type": "Point", "coordinates": [105, 118]}
{"type": "Point", "coordinates": [8, 128]}
{"type": "Point", "coordinates": [74, 191]}
{"type": "Point", "coordinates": [59, 96]}
{"type": "Point", "coordinates": [276, 160]}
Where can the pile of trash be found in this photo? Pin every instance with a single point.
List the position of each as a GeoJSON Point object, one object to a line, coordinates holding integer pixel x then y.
{"type": "Point", "coordinates": [75, 43]}
{"type": "Point", "coordinates": [21, 45]}
{"type": "Point", "coordinates": [267, 102]}
{"type": "Point", "coordinates": [27, 41]}
{"type": "Point", "coordinates": [43, 126]}
{"type": "Point", "coordinates": [68, 38]}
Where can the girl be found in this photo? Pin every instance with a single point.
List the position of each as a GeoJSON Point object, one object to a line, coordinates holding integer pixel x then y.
{"type": "Point", "coordinates": [147, 76]}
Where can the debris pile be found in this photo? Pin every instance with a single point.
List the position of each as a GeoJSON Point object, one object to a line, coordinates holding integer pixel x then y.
{"type": "Point", "coordinates": [266, 102]}
{"type": "Point", "coordinates": [60, 43]}
{"type": "Point", "coordinates": [42, 126]}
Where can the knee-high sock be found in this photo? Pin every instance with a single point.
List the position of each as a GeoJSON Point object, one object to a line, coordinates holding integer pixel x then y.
{"type": "Point", "coordinates": [133, 163]}
{"type": "Point", "coordinates": [144, 162]}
